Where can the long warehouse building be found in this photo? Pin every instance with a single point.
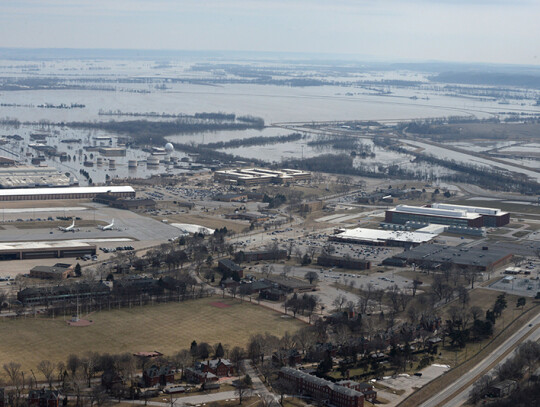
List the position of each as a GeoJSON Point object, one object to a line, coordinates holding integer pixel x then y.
{"type": "Point", "coordinates": [376, 237]}
{"type": "Point", "coordinates": [33, 194]}
{"type": "Point", "coordinates": [448, 214]}
{"type": "Point", "coordinates": [45, 250]}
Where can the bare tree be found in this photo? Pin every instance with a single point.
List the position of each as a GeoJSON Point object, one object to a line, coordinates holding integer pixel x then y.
{"type": "Point", "coordinates": [311, 276]}
{"type": "Point", "coordinates": [46, 367]}
{"type": "Point", "coordinates": [243, 388]}
{"type": "Point", "coordinates": [181, 359]}
{"type": "Point", "coordinates": [286, 270]}
{"type": "Point", "coordinates": [16, 379]}
{"type": "Point", "coordinates": [339, 301]}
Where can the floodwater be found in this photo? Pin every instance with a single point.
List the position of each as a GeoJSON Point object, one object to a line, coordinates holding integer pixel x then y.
{"type": "Point", "coordinates": [148, 87]}
{"type": "Point", "coordinates": [447, 154]}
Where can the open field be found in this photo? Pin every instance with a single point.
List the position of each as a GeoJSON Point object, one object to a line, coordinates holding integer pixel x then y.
{"type": "Point", "coordinates": [167, 328]}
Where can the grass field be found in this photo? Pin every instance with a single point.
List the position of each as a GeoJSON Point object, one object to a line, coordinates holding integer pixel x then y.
{"type": "Point", "coordinates": [167, 328]}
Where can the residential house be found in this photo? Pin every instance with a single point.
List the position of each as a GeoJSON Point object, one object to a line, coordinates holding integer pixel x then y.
{"type": "Point", "coordinates": [155, 375]}
{"type": "Point", "coordinates": [503, 388]}
{"type": "Point", "coordinates": [219, 367]}
{"type": "Point", "coordinates": [229, 268]}
{"type": "Point", "coordinates": [286, 357]}
{"type": "Point", "coordinates": [43, 398]}
{"type": "Point", "coordinates": [197, 376]}
{"type": "Point", "coordinates": [366, 389]}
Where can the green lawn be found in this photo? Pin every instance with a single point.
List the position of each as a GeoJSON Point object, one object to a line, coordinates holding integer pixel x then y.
{"type": "Point", "coordinates": [167, 328]}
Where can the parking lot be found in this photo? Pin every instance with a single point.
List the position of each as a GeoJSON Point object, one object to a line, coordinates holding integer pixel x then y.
{"type": "Point", "coordinates": [327, 277]}
{"type": "Point", "coordinates": [526, 285]}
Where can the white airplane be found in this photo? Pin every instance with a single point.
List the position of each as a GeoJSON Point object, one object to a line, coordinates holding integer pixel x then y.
{"type": "Point", "coordinates": [107, 227]}
{"type": "Point", "coordinates": [70, 228]}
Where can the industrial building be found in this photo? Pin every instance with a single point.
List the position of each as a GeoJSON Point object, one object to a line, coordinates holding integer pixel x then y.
{"type": "Point", "coordinates": [7, 162]}
{"type": "Point", "coordinates": [65, 193]}
{"type": "Point", "coordinates": [130, 204]}
{"type": "Point", "coordinates": [345, 262]}
{"type": "Point", "coordinates": [59, 271]}
{"type": "Point", "coordinates": [32, 177]}
{"type": "Point", "coordinates": [377, 237]}
{"type": "Point", "coordinates": [320, 389]}
{"type": "Point", "coordinates": [45, 250]}
{"type": "Point", "coordinates": [448, 214]}
{"type": "Point", "coordinates": [479, 258]}
{"type": "Point", "coordinates": [308, 207]}
{"type": "Point", "coordinates": [112, 151]}
{"type": "Point", "coordinates": [254, 176]}
{"type": "Point", "coordinates": [63, 293]}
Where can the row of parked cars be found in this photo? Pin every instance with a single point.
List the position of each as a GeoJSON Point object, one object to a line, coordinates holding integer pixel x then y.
{"type": "Point", "coordinates": [116, 249]}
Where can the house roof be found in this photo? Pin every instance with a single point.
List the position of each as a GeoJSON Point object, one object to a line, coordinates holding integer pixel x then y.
{"type": "Point", "coordinates": [213, 363]}
{"type": "Point", "coordinates": [48, 269]}
{"type": "Point", "coordinates": [504, 384]}
{"type": "Point", "coordinates": [157, 371]}
{"type": "Point", "coordinates": [321, 382]}
{"type": "Point", "coordinates": [231, 265]}
{"type": "Point", "coordinates": [200, 373]}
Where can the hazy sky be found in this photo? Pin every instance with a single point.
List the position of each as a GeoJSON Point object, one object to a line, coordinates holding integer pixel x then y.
{"type": "Point", "coordinates": [448, 30]}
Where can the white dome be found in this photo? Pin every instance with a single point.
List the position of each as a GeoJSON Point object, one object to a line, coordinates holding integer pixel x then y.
{"type": "Point", "coordinates": [169, 147]}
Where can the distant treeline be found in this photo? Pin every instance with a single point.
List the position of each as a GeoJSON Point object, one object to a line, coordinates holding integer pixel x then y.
{"type": "Point", "coordinates": [489, 78]}
{"type": "Point", "coordinates": [343, 164]}
{"type": "Point", "coordinates": [335, 164]}
{"type": "Point", "coordinates": [152, 132]}
{"type": "Point", "coordinates": [209, 156]}
{"type": "Point", "coordinates": [254, 141]}
{"type": "Point", "coordinates": [219, 116]}
{"type": "Point", "coordinates": [472, 174]}
{"type": "Point", "coordinates": [347, 143]}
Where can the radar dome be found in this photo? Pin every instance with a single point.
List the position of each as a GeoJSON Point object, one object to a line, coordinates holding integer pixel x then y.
{"type": "Point", "coordinates": [169, 147]}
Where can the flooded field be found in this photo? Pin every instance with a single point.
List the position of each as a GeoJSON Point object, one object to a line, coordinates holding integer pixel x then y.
{"type": "Point", "coordinates": [86, 90]}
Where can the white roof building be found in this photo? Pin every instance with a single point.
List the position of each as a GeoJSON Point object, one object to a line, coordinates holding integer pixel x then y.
{"type": "Point", "coordinates": [376, 236]}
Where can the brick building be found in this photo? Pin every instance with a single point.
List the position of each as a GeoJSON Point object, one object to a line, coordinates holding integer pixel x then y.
{"type": "Point", "coordinates": [155, 375]}
{"type": "Point", "coordinates": [229, 268]}
{"type": "Point", "coordinates": [321, 389]}
{"type": "Point", "coordinates": [197, 376]}
{"type": "Point", "coordinates": [366, 389]}
{"type": "Point", "coordinates": [43, 398]}
{"type": "Point", "coordinates": [59, 271]}
{"type": "Point", "coordinates": [218, 367]}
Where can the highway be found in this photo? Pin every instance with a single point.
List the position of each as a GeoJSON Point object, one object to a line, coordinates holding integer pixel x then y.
{"type": "Point", "coordinates": [459, 390]}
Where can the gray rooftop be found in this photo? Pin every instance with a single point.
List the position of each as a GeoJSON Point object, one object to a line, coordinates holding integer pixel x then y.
{"type": "Point", "coordinates": [321, 382]}
{"type": "Point", "coordinates": [471, 256]}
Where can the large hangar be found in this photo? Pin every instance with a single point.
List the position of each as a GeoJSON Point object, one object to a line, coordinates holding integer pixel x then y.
{"type": "Point", "coordinates": [33, 194]}
{"type": "Point", "coordinates": [377, 237]}
{"type": "Point", "coordinates": [45, 250]}
{"type": "Point", "coordinates": [448, 214]}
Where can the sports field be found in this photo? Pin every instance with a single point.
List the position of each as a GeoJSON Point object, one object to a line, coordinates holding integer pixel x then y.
{"type": "Point", "coordinates": [167, 328]}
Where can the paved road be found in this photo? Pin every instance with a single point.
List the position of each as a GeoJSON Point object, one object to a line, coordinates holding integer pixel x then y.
{"type": "Point", "coordinates": [259, 387]}
{"type": "Point", "coordinates": [190, 400]}
{"type": "Point", "coordinates": [460, 389]}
